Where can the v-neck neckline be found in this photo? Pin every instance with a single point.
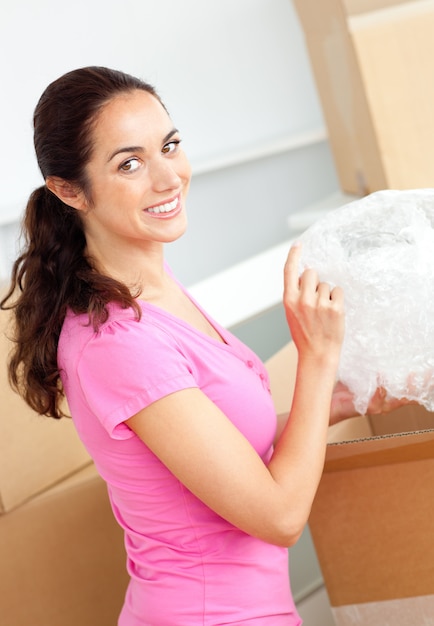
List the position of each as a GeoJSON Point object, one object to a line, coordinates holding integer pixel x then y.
{"type": "Point", "coordinates": [218, 329]}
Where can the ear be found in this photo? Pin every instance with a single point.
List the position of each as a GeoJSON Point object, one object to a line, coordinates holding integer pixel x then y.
{"type": "Point", "coordinates": [69, 193]}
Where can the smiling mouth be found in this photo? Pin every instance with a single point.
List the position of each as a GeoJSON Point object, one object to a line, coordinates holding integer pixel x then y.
{"type": "Point", "coordinates": [164, 208]}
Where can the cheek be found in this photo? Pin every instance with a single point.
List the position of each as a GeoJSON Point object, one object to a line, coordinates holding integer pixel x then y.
{"type": "Point", "coordinates": [186, 186]}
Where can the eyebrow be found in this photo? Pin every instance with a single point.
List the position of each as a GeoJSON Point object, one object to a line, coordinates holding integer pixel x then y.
{"type": "Point", "coordinates": [140, 148]}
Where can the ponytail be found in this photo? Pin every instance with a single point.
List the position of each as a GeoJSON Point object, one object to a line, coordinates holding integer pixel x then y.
{"type": "Point", "coordinates": [54, 273]}
{"type": "Point", "coordinates": [50, 276]}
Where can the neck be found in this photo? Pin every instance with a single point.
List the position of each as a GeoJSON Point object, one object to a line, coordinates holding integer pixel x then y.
{"type": "Point", "coordinates": [140, 269]}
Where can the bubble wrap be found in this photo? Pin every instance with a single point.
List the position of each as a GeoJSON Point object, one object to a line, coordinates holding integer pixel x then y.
{"type": "Point", "coordinates": [380, 250]}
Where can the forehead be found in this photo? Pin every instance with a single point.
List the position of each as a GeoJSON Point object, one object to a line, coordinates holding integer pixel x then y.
{"type": "Point", "coordinates": [134, 115]}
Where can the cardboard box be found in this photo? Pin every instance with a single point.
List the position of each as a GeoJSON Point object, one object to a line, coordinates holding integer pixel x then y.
{"type": "Point", "coordinates": [373, 62]}
{"type": "Point", "coordinates": [372, 518]}
{"type": "Point", "coordinates": [35, 452]}
{"type": "Point", "coordinates": [63, 557]}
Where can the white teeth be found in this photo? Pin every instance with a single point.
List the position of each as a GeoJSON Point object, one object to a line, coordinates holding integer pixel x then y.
{"type": "Point", "coordinates": [164, 208]}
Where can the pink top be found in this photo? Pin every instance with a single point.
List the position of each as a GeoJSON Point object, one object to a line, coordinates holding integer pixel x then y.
{"type": "Point", "coordinates": [188, 566]}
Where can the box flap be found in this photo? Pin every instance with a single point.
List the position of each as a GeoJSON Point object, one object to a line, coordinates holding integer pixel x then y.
{"type": "Point", "coordinates": [381, 450]}
{"type": "Point", "coordinates": [342, 93]}
{"type": "Point", "coordinates": [402, 435]}
{"type": "Point", "coordinates": [355, 7]}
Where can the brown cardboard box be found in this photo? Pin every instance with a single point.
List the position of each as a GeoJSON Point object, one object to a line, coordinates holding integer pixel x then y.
{"type": "Point", "coordinates": [63, 558]}
{"type": "Point", "coordinates": [373, 62]}
{"type": "Point", "coordinates": [372, 521]}
{"type": "Point", "coordinates": [35, 452]}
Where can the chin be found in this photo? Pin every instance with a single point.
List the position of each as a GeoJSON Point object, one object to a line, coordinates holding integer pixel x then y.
{"type": "Point", "coordinates": [175, 234]}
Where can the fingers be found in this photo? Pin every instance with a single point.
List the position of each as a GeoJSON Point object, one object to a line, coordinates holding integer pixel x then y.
{"type": "Point", "coordinates": [291, 269]}
{"type": "Point", "coordinates": [308, 283]}
{"type": "Point", "coordinates": [324, 292]}
{"type": "Point", "coordinates": [297, 285]}
{"type": "Point", "coordinates": [337, 296]}
{"type": "Point", "coordinates": [314, 309]}
{"type": "Point", "coordinates": [382, 402]}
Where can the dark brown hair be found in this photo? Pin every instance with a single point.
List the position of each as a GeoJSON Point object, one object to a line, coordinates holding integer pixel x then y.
{"type": "Point", "coordinates": [53, 273]}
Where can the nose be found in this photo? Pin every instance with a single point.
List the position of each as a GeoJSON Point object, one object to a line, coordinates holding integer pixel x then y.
{"type": "Point", "coordinates": [164, 174]}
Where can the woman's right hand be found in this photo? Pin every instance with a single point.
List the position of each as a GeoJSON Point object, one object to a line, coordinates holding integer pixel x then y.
{"type": "Point", "coordinates": [314, 311]}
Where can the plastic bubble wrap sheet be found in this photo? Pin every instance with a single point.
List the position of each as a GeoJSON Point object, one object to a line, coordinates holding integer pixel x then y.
{"type": "Point", "coordinates": [380, 250]}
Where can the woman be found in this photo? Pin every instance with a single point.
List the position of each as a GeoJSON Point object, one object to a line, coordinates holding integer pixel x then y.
{"type": "Point", "coordinates": [174, 410]}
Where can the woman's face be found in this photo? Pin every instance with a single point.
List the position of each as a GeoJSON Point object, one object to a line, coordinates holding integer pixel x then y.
{"type": "Point", "coordinates": [139, 177]}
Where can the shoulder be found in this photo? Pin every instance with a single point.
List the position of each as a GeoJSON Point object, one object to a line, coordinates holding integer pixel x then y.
{"type": "Point", "coordinates": [119, 320]}
{"type": "Point", "coordinates": [123, 337]}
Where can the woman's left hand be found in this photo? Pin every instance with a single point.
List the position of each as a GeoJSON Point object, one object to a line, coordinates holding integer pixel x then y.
{"type": "Point", "coordinates": [342, 405]}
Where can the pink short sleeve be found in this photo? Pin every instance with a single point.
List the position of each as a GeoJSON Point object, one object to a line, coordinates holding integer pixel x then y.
{"type": "Point", "coordinates": [127, 366]}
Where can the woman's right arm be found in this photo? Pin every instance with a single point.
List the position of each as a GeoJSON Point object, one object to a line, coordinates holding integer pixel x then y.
{"type": "Point", "coordinates": [205, 451]}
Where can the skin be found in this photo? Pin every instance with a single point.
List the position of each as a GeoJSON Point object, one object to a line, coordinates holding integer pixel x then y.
{"type": "Point", "coordinates": [136, 164]}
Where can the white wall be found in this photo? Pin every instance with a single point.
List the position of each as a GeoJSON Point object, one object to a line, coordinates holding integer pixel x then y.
{"type": "Point", "coordinates": [235, 77]}
{"type": "Point", "coordinates": [233, 73]}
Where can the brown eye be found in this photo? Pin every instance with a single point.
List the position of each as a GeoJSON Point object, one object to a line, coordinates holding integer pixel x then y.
{"type": "Point", "coordinates": [171, 146]}
{"type": "Point", "coordinates": [130, 166]}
